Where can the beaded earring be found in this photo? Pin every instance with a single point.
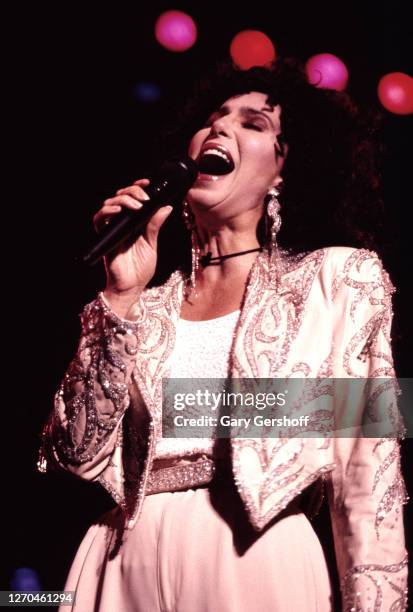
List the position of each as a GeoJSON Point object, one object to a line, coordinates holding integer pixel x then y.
{"type": "Point", "coordinates": [189, 221]}
{"type": "Point", "coordinates": [273, 224]}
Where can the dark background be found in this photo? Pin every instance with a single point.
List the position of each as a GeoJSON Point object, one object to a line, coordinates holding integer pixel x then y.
{"type": "Point", "coordinates": [79, 134]}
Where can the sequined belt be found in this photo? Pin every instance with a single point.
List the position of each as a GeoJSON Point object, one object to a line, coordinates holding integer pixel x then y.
{"type": "Point", "coordinates": [181, 476]}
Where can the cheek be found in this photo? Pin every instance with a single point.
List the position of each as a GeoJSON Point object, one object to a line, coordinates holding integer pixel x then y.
{"type": "Point", "coordinates": [261, 157]}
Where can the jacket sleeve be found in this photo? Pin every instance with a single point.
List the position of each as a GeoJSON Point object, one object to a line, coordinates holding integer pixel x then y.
{"type": "Point", "coordinates": [366, 489]}
{"type": "Point", "coordinates": [84, 427]}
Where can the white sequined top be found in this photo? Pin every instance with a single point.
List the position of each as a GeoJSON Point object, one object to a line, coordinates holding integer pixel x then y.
{"type": "Point", "coordinates": [201, 351]}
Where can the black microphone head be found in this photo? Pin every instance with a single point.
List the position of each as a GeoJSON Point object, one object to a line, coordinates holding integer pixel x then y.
{"type": "Point", "coordinates": [173, 180]}
{"type": "Point", "coordinates": [190, 167]}
{"type": "Point", "coordinates": [180, 172]}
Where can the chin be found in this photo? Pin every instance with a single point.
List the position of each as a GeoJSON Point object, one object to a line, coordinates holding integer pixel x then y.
{"type": "Point", "coordinates": [201, 201]}
{"type": "Point", "coordinates": [209, 190]}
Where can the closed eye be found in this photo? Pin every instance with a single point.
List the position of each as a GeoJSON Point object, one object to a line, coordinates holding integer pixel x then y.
{"type": "Point", "coordinates": [252, 126]}
{"type": "Point", "coordinates": [248, 124]}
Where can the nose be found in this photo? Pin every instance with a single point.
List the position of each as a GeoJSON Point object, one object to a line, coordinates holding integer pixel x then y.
{"type": "Point", "coordinates": [220, 126]}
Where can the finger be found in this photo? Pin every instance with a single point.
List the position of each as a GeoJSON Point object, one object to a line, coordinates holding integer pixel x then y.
{"type": "Point", "coordinates": [104, 215]}
{"type": "Point", "coordinates": [142, 182]}
{"type": "Point", "coordinates": [125, 200]}
{"type": "Point", "coordinates": [107, 210]}
{"type": "Point", "coordinates": [135, 191]}
{"type": "Point", "coordinates": [154, 225]}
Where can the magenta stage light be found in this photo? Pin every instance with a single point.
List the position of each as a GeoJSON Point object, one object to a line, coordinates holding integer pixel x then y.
{"type": "Point", "coordinates": [395, 91]}
{"type": "Point", "coordinates": [327, 71]}
{"type": "Point", "coordinates": [176, 31]}
{"type": "Point", "coordinates": [251, 48]}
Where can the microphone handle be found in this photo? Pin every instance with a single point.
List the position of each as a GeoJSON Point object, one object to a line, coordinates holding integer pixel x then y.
{"type": "Point", "coordinates": [125, 223]}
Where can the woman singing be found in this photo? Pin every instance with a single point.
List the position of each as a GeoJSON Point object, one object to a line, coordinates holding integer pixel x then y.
{"type": "Point", "coordinates": [282, 284]}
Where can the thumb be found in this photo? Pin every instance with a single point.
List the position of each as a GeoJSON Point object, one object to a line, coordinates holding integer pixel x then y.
{"type": "Point", "coordinates": [154, 225]}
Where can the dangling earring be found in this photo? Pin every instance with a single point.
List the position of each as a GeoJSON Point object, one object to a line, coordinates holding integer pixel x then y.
{"type": "Point", "coordinates": [189, 220]}
{"type": "Point", "coordinates": [273, 222]}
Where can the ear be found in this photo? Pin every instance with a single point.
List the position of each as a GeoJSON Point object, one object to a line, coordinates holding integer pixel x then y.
{"type": "Point", "coordinates": [278, 184]}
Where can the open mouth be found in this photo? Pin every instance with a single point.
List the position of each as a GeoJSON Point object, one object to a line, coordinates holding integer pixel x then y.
{"type": "Point", "coordinates": [215, 162]}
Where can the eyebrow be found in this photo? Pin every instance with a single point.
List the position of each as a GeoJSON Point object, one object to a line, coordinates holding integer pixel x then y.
{"type": "Point", "coordinates": [247, 110]}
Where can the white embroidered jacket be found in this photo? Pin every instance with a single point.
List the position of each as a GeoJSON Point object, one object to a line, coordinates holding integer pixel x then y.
{"type": "Point", "coordinates": [329, 317]}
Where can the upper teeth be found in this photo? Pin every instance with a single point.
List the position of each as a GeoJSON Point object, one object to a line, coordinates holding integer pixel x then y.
{"type": "Point", "coordinates": [218, 152]}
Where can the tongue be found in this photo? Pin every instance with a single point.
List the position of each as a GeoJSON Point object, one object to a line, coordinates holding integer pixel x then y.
{"type": "Point", "coordinates": [214, 164]}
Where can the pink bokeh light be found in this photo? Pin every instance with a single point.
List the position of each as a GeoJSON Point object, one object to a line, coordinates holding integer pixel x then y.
{"type": "Point", "coordinates": [327, 71]}
{"type": "Point", "coordinates": [176, 31]}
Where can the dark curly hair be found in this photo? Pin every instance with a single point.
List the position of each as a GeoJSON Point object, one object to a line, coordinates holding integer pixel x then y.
{"type": "Point", "coordinates": [332, 192]}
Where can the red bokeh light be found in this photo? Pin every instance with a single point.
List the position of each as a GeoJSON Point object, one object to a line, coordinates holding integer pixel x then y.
{"type": "Point", "coordinates": [251, 48]}
{"type": "Point", "coordinates": [395, 91]}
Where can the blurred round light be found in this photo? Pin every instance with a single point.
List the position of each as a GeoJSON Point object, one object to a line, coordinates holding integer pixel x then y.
{"type": "Point", "coordinates": [25, 579]}
{"type": "Point", "coordinates": [327, 71]}
{"type": "Point", "coordinates": [395, 91]}
{"type": "Point", "coordinates": [147, 92]}
{"type": "Point", "coordinates": [175, 30]}
{"type": "Point", "coordinates": [251, 48]}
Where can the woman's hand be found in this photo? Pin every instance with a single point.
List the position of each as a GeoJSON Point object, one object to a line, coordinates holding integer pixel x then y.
{"type": "Point", "coordinates": [130, 267]}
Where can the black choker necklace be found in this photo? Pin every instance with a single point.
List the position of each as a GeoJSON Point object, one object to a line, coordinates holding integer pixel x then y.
{"type": "Point", "coordinates": [208, 260]}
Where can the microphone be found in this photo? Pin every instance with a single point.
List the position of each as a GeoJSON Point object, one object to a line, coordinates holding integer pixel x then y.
{"type": "Point", "coordinates": [169, 186]}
